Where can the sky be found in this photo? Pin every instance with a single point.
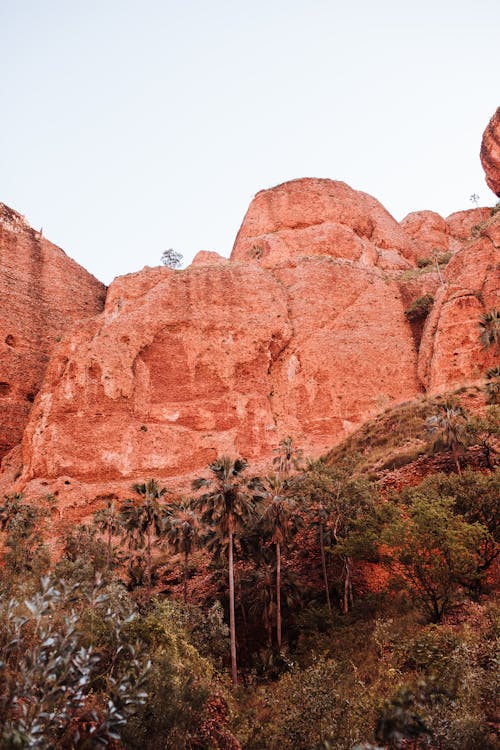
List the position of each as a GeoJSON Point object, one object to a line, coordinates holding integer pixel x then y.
{"type": "Point", "coordinates": [128, 127]}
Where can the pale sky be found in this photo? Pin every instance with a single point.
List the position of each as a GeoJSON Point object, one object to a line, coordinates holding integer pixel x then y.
{"type": "Point", "coordinates": [131, 126]}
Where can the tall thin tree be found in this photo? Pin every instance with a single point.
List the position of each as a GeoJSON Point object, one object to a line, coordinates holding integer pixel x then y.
{"type": "Point", "coordinates": [145, 521]}
{"type": "Point", "coordinates": [182, 533]}
{"type": "Point", "coordinates": [226, 505]}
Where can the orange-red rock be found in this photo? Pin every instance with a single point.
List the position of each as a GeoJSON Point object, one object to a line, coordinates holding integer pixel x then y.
{"type": "Point", "coordinates": [451, 353]}
{"type": "Point", "coordinates": [301, 333]}
{"type": "Point", "coordinates": [186, 365]}
{"type": "Point", "coordinates": [463, 224]}
{"type": "Point", "coordinates": [429, 229]}
{"type": "Point", "coordinates": [42, 293]}
{"type": "Point", "coordinates": [490, 152]}
{"type": "Point", "coordinates": [321, 217]}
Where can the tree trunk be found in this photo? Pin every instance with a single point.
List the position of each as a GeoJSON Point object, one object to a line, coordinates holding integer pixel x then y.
{"type": "Point", "coordinates": [148, 564]}
{"type": "Point", "coordinates": [110, 531]}
{"type": "Point", "coordinates": [323, 565]}
{"type": "Point", "coordinates": [278, 594]}
{"type": "Point", "coordinates": [232, 624]}
{"type": "Point", "coordinates": [347, 599]}
{"type": "Point", "coordinates": [185, 582]}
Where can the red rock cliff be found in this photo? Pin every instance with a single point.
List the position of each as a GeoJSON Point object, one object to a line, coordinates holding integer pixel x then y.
{"type": "Point", "coordinates": [302, 332]}
{"type": "Point", "coordinates": [42, 293]}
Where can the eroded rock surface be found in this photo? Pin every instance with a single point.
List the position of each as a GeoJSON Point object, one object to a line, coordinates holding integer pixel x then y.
{"type": "Point", "coordinates": [303, 332]}
{"type": "Point", "coordinates": [451, 353]}
{"type": "Point", "coordinates": [42, 292]}
{"type": "Point", "coordinates": [490, 152]}
{"type": "Point", "coordinates": [186, 365]}
{"type": "Point", "coordinates": [322, 217]}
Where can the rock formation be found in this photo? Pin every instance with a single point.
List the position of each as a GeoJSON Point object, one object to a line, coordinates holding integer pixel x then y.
{"type": "Point", "coordinates": [43, 292]}
{"type": "Point", "coordinates": [322, 217]}
{"type": "Point", "coordinates": [490, 152]}
{"type": "Point", "coordinates": [302, 332]}
{"type": "Point", "coordinates": [451, 353]}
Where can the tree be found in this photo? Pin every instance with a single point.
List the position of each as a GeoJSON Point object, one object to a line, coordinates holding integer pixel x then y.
{"type": "Point", "coordinates": [279, 520]}
{"type": "Point", "coordinates": [226, 506]}
{"type": "Point", "coordinates": [51, 676]}
{"type": "Point", "coordinates": [316, 488]}
{"type": "Point", "coordinates": [287, 456]}
{"type": "Point", "coordinates": [341, 508]}
{"type": "Point", "coordinates": [20, 521]}
{"type": "Point", "coordinates": [489, 328]}
{"type": "Point", "coordinates": [448, 430]}
{"type": "Point", "coordinates": [476, 499]}
{"type": "Point", "coordinates": [493, 385]}
{"type": "Point", "coordinates": [108, 521]}
{"type": "Point", "coordinates": [145, 521]}
{"type": "Point", "coordinates": [183, 531]}
{"type": "Point", "coordinates": [171, 258]}
{"type": "Point", "coordinates": [435, 549]}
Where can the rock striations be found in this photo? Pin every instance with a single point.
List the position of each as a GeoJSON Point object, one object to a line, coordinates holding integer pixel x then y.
{"type": "Point", "coordinates": [43, 293]}
{"type": "Point", "coordinates": [302, 332]}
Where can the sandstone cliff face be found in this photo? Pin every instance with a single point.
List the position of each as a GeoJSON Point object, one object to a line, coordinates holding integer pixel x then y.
{"type": "Point", "coordinates": [186, 365]}
{"type": "Point", "coordinates": [42, 293]}
{"type": "Point", "coordinates": [490, 152]}
{"type": "Point", "coordinates": [451, 353]}
{"type": "Point", "coordinates": [322, 217]}
{"type": "Point", "coordinates": [301, 333]}
{"type": "Point", "coordinates": [432, 232]}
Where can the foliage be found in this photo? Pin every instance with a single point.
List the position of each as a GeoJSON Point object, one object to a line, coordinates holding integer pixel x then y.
{"type": "Point", "coordinates": [493, 385]}
{"type": "Point", "coordinates": [171, 258]}
{"type": "Point", "coordinates": [143, 525]}
{"type": "Point", "coordinates": [420, 308]}
{"type": "Point", "coordinates": [433, 550]}
{"type": "Point", "coordinates": [447, 430]}
{"type": "Point", "coordinates": [49, 672]}
{"type": "Point", "coordinates": [25, 551]}
{"type": "Point", "coordinates": [489, 329]}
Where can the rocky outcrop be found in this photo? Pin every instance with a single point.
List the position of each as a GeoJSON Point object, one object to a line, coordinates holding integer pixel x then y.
{"type": "Point", "coordinates": [186, 365]}
{"type": "Point", "coordinates": [322, 217]}
{"type": "Point", "coordinates": [434, 235]}
{"type": "Point", "coordinates": [451, 353]}
{"type": "Point", "coordinates": [303, 332]}
{"type": "Point", "coordinates": [490, 153]}
{"type": "Point", "coordinates": [42, 293]}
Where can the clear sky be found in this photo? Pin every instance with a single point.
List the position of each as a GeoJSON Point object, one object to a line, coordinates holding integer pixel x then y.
{"type": "Point", "coordinates": [131, 126]}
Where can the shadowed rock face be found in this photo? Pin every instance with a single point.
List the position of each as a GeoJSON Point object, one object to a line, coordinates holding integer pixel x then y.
{"type": "Point", "coordinates": [490, 153]}
{"type": "Point", "coordinates": [42, 293]}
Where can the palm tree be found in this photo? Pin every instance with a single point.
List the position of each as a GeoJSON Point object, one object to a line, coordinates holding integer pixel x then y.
{"type": "Point", "coordinates": [226, 506]}
{"type": "Point", "coordinates": [287, 456]}
{"type": "Point", "coordinates": [317, 488]}
{"type": "Point", "coordinates": [146, 520]}
{"type": "Point", "coordinates": [183, 531]}
{"type": "Point", "coordinates": [107, 520]}
{"type": "Point", "coordinates": [493, 385]}
{"type": "Point", "coordinates": [279, 521]}
{"type": "Point", "coordinates": [448, 429]}
{"type": "Point", "coordinates": [489, 329]}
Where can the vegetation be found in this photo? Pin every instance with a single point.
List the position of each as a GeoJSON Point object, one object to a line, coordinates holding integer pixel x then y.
{"type": "Point", "coordinates": [171, 258]}
{"type": "Point", "coordinates": [420, 308]}
{"type": "Point", "coordinates": [315, 606]}
{"type": "Point", "coordinates": [489, 329]}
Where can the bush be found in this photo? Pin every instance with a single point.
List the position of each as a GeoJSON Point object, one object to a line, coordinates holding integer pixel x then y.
{"type": "Point", "coordinates": [420, 308]}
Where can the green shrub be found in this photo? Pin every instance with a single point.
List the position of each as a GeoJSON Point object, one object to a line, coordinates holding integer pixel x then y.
{"type": "Point", "coordinates": [420, 308]}
{"type": "Point", "coordinates": [424, 262]}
